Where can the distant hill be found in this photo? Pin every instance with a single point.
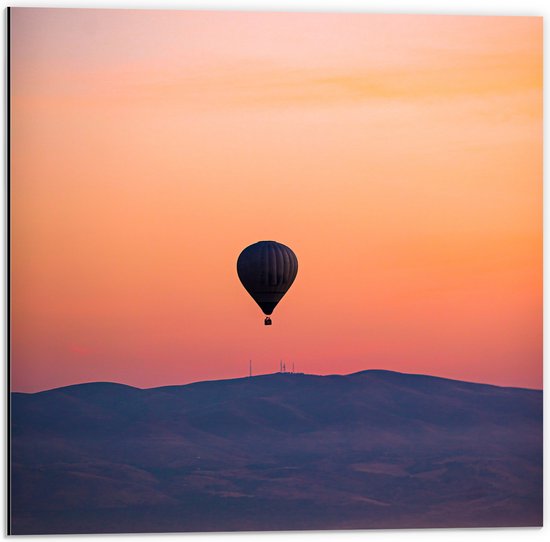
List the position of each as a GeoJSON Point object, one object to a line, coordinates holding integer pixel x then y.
{"type": "Point", "coordinates": [375, 449]}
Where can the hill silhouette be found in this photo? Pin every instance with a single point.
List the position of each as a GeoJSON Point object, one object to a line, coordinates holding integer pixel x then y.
{"type": "Point", "coordinates": [374, 449]}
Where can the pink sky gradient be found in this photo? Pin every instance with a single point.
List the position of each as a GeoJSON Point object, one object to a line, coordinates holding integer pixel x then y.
{"type": "Point", "coordinates": [400, 157]}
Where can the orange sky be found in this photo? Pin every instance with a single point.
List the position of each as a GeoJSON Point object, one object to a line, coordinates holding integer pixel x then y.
{"type": "Point", "coordinates": [400, 157]}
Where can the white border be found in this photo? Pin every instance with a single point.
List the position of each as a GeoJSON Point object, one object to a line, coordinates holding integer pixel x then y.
{"type": "Point", "coordinates": [450, 7]}
{"type": "Point", "coordinates": [465, 7]}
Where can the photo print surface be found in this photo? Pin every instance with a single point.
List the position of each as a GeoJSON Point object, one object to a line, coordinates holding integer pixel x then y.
{"type": "Point", "coordinates": [274, 271]}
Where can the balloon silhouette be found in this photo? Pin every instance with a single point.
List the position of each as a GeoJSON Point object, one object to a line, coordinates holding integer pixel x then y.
{"type": "Point", "coordinates": [267, 269]}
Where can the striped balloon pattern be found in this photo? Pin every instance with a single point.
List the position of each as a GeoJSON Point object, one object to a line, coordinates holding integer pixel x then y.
{"type": "Point", "coordinates": [267, 270]}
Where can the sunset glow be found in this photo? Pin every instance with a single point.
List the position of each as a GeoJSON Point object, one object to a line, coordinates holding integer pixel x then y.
{"type": "Point", "coordinates": [400, 157]}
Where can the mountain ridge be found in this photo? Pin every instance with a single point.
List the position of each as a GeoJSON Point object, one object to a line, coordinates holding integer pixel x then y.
{"type": "Point", "coordinates": [364, 372]}
{"type": "Point", "coordinates": [283, 451]}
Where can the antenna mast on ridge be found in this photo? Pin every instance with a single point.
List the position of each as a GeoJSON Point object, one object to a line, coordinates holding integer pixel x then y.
{"type": "Point", "coordinates": [250, 368]}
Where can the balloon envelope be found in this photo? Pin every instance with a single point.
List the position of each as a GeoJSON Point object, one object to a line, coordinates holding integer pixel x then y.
{"type": "Point", "coordinates": [267, 269]}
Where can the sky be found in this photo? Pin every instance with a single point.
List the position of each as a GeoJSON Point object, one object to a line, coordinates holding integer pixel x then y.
{"type": "Point", "coordinates": [399, 156]}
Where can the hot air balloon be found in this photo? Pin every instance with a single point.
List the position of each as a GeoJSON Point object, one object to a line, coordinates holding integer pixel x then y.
{"type": "Point", "coordinates": [267, 269]}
